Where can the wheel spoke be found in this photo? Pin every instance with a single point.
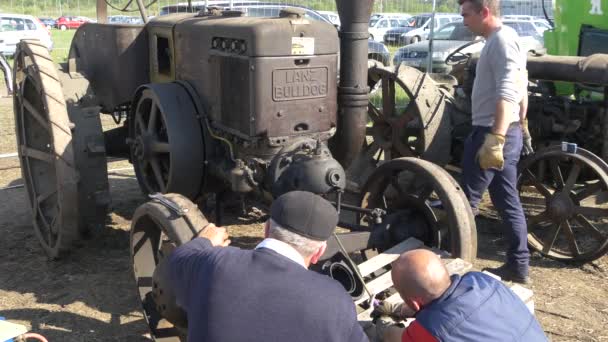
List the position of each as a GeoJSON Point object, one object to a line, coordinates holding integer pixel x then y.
{"type": "Point", "coordinates": [542, 217]}
{"type": "Point", "coordinates": [582, 220]}
{"type": "Point", "coordinates": [538, 185]}
{"type": "Point", "coordinates": [35, 114]}
{"type": "Point", "coordinates": [588, 190]}
{"type": "Point", "coordinates": [548, 244]}
{"type": "Point", "coordinates": [159, 147]}
{"type": "Point", "coordinates": [600, 211]}
{"type": "Point", "coordinates": [574, 172]}
{"type": "Point", "coordinates": [152, 122]}
{"type": "Point", "coordinates": [43, 197]}
{"type": "Point", "coordinates": [571, 239]}
{"type": "Point", "coordinates": [158, 174]}
{"type": "Point", "coordinates": [374, 113]}
{"type": "Point", "coordinates": [140, 122]}
{"type": "Point", "coordinates": [388, 96]}
{"type": "Point", "coordinates": [37, 154]}
{"type": "Point", "coordinates": [557, 174]}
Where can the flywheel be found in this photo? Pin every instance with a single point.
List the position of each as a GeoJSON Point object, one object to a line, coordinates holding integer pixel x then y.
{"type": "Point", "coordinates": [167, 148]}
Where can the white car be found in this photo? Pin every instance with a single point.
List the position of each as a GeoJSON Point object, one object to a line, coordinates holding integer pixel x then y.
{"type": "Point", "coordinates": [15, 27]}
{"type": "Point", "coordinates": [380, 24]}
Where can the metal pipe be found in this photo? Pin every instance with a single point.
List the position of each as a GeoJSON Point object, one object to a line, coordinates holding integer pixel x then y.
{"type": "Point", "coordinates": [353, 91]}
{"type": "Point", "coordinates": [591, 70]}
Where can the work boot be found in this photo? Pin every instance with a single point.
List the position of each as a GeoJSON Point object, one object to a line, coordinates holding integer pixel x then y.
{"type": "Point", "coordinates": [508, 274]}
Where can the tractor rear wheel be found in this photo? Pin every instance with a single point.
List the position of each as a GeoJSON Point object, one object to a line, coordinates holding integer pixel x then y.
{"type": "Point", "coordinates": [45, 148]}
{"type": "Point", "coordinates": [61, 151]}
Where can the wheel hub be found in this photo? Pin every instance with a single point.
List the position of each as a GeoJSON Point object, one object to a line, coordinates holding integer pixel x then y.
{"type": "Point", "coordinates": [141, 147]}
{"type": "Point", "coordinates": [561, 207]}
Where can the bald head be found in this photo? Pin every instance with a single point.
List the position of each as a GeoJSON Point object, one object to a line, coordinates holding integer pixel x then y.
{"type": "Point", "coordinates": [420, 275]}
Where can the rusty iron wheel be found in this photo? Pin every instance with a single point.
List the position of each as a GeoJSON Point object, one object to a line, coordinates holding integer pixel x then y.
{"type": "Point", "coordinates": [438, 203]}
{"type": "Point", "coordinates": [45, 148]}
{"type": "Point", "coordinates": [155, 231]}
{"type": "Point", "coordinates": [406, 119]}
{"type": "Point", "coordinates": [565, 199]}
{"type": "Point", "coordinates": [166, 141]}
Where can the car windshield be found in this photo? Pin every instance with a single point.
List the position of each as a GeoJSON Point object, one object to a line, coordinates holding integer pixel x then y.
{"type": "Point", "coordinates": [417, 21]}
{"type": "Point", "coordinates": [456, 31]}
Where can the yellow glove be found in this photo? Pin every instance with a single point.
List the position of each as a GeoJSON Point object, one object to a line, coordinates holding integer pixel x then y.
{"type": "Point", "coordinates": [490, 153]}
{"type": "Point", "coordinates": [527, 146]}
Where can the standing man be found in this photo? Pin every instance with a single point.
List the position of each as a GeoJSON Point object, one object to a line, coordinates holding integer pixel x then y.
{"type": "Point", "coordinates": [266, 294]}
{"type": "Point", "coordinates": [492, 150]}
{"type": "Point", "coordinates": [474, 307]}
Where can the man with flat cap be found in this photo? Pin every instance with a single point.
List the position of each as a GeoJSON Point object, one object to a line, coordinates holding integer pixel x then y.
{"type": "Point", "coordinates": [266, 294]}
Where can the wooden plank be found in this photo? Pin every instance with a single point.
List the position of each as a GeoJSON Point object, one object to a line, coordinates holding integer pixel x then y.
{"type": "Point", "coordinates": [388, 256]}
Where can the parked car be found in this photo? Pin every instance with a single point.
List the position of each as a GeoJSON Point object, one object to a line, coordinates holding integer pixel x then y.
{"type": "Point", "coordinates": [15, 27]}
{"type": "Point", "coordinates": [418, 28]}
{"type": "Point", "coordinates": [70, 22]}
{"type": "Point", "coordinates": [447, 39]}
{"type": "Point", "coordinates": [379, 25]}
{"type": "Point", "coordinates": [333, 17]}
{"type": "Point", "coordinates": [124, 19]}
{"type": "Point", "coordinates": [48, 22]}
{"type": "Point", "coordinates": [452, 36]}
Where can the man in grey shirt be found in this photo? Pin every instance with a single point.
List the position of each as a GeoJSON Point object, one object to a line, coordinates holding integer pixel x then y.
{"type": "Point", "coordinates": [493, 148]}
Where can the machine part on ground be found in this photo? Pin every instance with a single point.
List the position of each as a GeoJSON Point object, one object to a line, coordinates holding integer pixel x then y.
{"type": "Point", "coordinates": [421, 200]}
{"type": "Point", "coordinates": [157, 229]}
{"type": "Point", "coordinates": [46, 151]}
{"type": "Point", "coordinates": [565, 198]}
{"type": "Point", "coordinates": [352, 90]}
{"type": "Point", "coordinates": [168, 154]}
{"type": "Point", "coordinates": [409, 118]}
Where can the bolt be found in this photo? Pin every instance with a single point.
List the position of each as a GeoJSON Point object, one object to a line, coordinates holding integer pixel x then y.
{"type": "Point", "coordinates": [280, 113]}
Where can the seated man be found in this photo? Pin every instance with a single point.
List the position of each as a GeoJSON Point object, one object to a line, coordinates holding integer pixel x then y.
{"type": "Point", "coordinates": [266, 294]}
{"type": "Point", "coordinates": [474, 307]}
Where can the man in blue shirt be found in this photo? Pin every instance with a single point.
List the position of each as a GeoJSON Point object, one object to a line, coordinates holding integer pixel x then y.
{"type": "Point", "coordinates": [266, 294]}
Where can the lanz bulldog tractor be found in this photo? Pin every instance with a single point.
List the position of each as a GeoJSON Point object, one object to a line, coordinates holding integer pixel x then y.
{"type": "Point", "coordinates": [216, 102]}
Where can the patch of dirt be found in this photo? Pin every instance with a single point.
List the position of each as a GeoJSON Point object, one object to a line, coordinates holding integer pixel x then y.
{"type": "Point", "coordinates": [90, 295]}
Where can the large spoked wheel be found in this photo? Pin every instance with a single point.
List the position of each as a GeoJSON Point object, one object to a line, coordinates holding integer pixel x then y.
{"type": "Point", "coordinates": [565, 199]}
{"type": "Point", "coordinates": [166, 141]}
{"type": "Point", "coordinates": [155, 231]}
{"type": "Point", "coordinates": [423, 201]}
{"type": "Point", "coordinates": [406, 119]}
{"type": "Point", "coordinates": [45, 148]}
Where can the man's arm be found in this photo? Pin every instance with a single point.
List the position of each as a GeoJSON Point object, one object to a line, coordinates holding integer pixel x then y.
{"type": "Point", "coordinates": [501, 117]}
{"type": "Point", "coordinates": [186, 260]}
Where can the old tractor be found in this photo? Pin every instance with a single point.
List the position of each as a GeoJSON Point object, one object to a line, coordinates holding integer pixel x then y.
{"type": "Point", "coordinates": [563, 185]}
{"type": "Point", "coordinates": [219, 103]}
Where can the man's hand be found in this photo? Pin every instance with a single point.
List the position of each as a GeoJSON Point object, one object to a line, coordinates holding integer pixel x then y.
{"type": "Point", "coordinates": [217, 235]}
{"type": "Point", "coordinates": [490, 153]}
{"type": "Point", "coordinates": [527, 148]}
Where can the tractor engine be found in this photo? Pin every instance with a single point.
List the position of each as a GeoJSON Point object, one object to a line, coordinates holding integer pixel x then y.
{"type": "Point", "coordinates": [264, 92]}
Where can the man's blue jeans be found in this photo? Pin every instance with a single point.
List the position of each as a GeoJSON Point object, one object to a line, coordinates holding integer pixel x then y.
{"type": "Point", "coordinates": [502, 185]}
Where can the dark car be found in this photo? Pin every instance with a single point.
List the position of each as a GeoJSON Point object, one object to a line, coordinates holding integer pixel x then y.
{"type": "Point", "coordinates": [48, 22]}
{"type": "Point", "coordinates": [378, 51]}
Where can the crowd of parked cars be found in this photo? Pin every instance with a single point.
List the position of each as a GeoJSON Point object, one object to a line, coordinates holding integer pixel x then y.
{"type": "Point", "coordinates": [411, 32]}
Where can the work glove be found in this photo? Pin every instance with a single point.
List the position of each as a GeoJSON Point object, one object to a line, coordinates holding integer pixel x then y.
{"type": "Point", "coordinates": [385, 315]}
{"type": "Point", "coordinates": [527, 148]}
{"type": "Point", "coordinates": [490, 153]}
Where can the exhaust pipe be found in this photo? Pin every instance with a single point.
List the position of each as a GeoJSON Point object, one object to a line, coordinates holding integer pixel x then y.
{"type": "Point", "coordinates": [353, 91]}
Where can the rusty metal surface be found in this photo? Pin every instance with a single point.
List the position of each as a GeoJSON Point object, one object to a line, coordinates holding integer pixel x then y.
{"type": "Point", "coordinates": [592, 69]}
{"type": "Point", "coordinates": [45, 147]}
{"type": "Point", "coordinates": [423, 201]}
{"type": "Point", "coordinates": [113, 58]}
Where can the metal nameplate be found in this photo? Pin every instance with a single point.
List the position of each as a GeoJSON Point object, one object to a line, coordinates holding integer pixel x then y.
{"type": "Point", "coordinates": [299, 83]}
